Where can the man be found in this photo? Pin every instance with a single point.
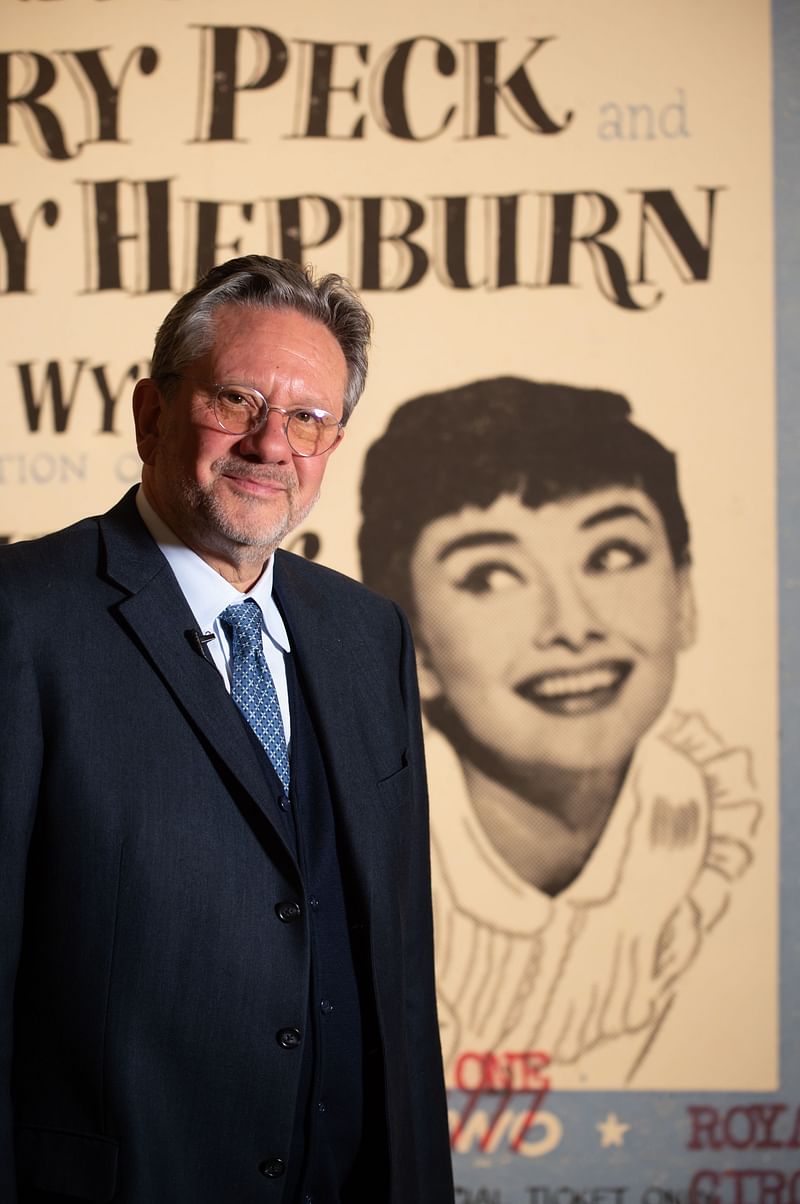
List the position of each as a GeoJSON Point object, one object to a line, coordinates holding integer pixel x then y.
{"type": "Point", "coordinates": [587, 840]}
{"type": "Point", "coordinates": [217, 962]}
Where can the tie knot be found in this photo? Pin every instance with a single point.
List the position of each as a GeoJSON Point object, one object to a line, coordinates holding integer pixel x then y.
{"type": "Point", "coordinates": [243, 618]}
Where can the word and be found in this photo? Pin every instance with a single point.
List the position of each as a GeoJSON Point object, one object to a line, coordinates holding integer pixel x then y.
{"type": "Point", "coordinates": [644, 121]}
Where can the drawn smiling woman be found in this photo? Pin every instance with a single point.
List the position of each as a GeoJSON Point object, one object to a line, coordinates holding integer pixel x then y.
{"type": "Point", "coordinates": [586, 848]}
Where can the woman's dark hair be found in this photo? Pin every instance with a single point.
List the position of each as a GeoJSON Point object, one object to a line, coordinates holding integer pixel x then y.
{"type": "Point", "coordinates": [469, 445]}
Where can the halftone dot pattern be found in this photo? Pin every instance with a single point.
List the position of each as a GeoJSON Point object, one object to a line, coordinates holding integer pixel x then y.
{"type": "Point", "coordinates": [252, 687]}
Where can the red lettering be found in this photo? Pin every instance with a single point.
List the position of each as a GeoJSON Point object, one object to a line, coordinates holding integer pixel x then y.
{"type": "Point", "coordinates": [506, 1071]}
{"type": "Point", "coordinates": [705, 1126]}
{"type": "Point", "coordinates": [501, 1075]}
{"type": "Point", "coordinates": [465, 1060]}
{"type": "Point", "coordinates": [744, 1187]}
{"type": "Point", "coordinates": [794, 1141]}
{"type": "Point", "coordinates": [701, 1188]}
{"type": "Point", "coordinates": [768, 1186]}
{"type": "Point", "coordinates": [746, 1134]}
{"type": "Point", "coordinates": [744, 1127]}
{"type": "Point", "coordinates": [768, 1115]}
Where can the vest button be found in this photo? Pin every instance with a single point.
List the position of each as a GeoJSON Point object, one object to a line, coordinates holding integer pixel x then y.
{"type": "Point", "coordinates": [326, 1007]}
{"type": "Point", "coordinates": [289, 1038]}
{"type": "Point", "coordinates": [272, 1168]}
{"type": "Point", "coordinates": [288, 911]}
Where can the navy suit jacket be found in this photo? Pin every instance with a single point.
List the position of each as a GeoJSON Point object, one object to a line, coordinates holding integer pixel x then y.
{"type": "Point", "coordinates": [146, 970]}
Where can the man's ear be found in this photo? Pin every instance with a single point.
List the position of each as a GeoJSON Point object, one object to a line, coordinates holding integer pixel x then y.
{"type": "Point", "coordinates": [687, 610]}
{"type": "Point", "coordinates": [430, 688]}
{"type": "Point", "coordinates": [147, 407]}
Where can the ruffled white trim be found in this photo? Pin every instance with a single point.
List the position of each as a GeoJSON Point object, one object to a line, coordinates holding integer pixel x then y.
{"type": "Point", "coordinates": [520, 970]}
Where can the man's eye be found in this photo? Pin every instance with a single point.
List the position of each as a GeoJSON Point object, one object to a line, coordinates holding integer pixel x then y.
{"type": "Point", "coordinates": [492, 577]}
{"type": "Point", "coordinates": [304, 417]}
{"type": "Point", "coordinates": [237, 398]}
{"type": "Point", "coordinates": [616, 556]}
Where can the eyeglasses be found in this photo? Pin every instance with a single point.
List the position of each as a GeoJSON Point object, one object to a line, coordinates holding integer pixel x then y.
{"type": "Point", "coordinates": [240, 410]}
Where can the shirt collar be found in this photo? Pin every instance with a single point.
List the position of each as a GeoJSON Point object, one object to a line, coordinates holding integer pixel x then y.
{"type": "Point", "coordinates": [205, 590]}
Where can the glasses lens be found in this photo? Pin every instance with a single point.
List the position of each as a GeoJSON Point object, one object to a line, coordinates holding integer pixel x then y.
{"type": "Point", "coordinates": [311, 432]}
{"type": "Point", "coordinates": [238, 409]}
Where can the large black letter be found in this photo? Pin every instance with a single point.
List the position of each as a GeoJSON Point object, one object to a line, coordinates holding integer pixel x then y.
{"type": "Point", "coordinates": [527, 109]}
{"type": "Point", "coordinates": [53, 387]}
{"type": "Point", "coordinates": [15, 244]}
{"type": "Point", "coordinates": [609, 269]}
{"type": "Point", "coordinates": [50, 141]}
{"type": "Point", "coordinates": [674, 232]}
{"type": "Point", "coordinates": [395, 81]}
{"type": "Point", "coordinates": [373, 237]}
{"type": "Point", "coordinates": [321, 86]}
{"type": "Point", "coordinates": [102, 95]}
{"type": "Point", "coordinates": [221, 81]}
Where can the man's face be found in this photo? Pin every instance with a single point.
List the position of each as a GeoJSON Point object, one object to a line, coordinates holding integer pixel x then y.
{"type": "Point", "coordinates": [235, 497]}
{"type": "Point", "coordinates": [552, 633]}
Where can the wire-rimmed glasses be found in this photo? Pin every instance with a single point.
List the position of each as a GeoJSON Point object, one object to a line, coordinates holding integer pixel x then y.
{"type": "Point", "coordinates": [241, 409]}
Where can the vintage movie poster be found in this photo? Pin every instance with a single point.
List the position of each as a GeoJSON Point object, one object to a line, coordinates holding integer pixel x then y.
{"type": "Point", "coordinates": [562, 218]}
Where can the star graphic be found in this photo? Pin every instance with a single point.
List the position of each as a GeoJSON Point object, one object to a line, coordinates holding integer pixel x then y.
{"type": "Point", "coordinates": [612, 1131]}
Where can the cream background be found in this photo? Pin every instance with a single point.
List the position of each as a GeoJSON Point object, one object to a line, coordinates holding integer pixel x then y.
{"type": "Point", "coordinates": [698, 368]}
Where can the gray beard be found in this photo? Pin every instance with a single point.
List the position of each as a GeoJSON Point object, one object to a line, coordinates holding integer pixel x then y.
{"type": "Point", "coordinates": [209, 518]}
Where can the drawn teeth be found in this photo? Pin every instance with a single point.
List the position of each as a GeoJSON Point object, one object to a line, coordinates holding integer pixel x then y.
{"type": "Point", "coordinates": [577, 683]}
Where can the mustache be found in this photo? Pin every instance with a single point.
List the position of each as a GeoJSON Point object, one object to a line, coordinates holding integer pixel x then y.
{"type": "Point", "coordinates": [230, 467]}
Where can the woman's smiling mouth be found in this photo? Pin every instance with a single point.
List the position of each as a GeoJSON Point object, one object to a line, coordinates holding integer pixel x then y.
{"type": "Point", "coordinates": [576, 691]}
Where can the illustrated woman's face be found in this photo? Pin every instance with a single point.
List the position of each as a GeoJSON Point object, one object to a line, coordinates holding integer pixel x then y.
{"type": "Point", "coordinates": [552, 633]}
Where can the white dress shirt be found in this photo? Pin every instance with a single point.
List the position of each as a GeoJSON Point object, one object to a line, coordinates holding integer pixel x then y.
{"type": "Point", "coordinates": [208, 593]}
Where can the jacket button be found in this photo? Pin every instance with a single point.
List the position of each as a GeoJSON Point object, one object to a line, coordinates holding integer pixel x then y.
{"type": "Point", "coordinates": [289, 1038]}
{"type": "Point", "coordinates": [288, 911]}
{"type": "Point", "coordinates": [326, 1007]}
{"type": "Point", "coordinates": [272, 1168]}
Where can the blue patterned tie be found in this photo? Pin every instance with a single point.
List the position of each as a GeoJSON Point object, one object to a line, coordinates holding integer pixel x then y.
{"type": "Point", "coordinates": [252, 687]}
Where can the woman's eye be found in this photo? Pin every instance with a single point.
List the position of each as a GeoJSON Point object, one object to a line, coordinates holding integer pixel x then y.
{"type": "Point", "coordinates": [490, 578]}
{"type": "Point", "coordinates": [616, 556]}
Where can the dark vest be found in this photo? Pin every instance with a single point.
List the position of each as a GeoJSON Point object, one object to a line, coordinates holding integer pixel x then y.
{"type": "Point", "coordinates": [338, 1148]}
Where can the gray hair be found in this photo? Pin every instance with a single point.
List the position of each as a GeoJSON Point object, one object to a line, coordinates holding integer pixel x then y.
{"type": "Point", "coordinates": [259, 282]}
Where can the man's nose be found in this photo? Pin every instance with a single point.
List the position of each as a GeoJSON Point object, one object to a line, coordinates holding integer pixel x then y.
{"type": "Point", "coordinates": [269, 442]}
{"type": "Point", "coordinates": [567, 616]}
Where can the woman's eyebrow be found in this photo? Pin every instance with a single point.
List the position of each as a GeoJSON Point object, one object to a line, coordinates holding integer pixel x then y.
{"type": "Point", "coordinates": [475, 539]}
{"type": "Point", "coordinates": [612, 512]}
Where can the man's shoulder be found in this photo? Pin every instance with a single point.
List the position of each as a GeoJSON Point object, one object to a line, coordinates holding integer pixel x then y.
{"type": "Point", "coordinates": [70, 552]}
{"type": "Point", "coordinates": [292, 570]}
{"type": "Point", "coordinates": [57, 549]}
{"type": "Point", "coordinates": [333, 593]}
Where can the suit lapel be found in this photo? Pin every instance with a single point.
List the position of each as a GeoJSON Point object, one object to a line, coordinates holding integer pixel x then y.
{"type": "Point", "coordinates": [159, 618]}
{"type": "Point", "coordinates": [334, 663]}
